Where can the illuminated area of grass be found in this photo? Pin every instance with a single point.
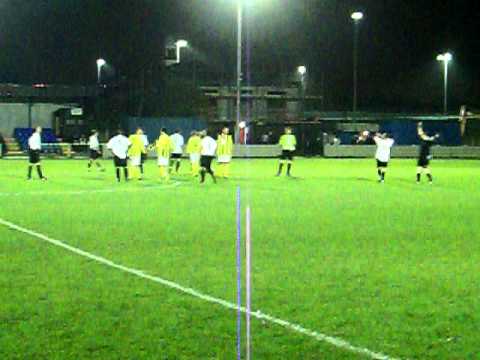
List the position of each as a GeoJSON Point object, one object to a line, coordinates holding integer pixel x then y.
{"type": "Point", "coordinates": [391, 267]}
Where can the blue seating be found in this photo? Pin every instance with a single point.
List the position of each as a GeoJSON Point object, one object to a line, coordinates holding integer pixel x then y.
{"type": "Point", "coordinates": [48, 138]}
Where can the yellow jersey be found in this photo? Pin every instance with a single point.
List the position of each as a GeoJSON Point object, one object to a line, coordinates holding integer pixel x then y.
{"type": "Point", "coordinates": [288, 142]}
{"type": "Point", "coordinates": [138, 146]}
{"type": "Point", "coordinates": [194, 145]}
{"type": "Point", "coordinates": [164, 146]}
{"type": "Point", "coordinates": [224, 145]}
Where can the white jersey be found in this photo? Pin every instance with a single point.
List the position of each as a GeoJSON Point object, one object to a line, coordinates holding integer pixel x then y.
{"type": "Point", "coordinates": [145, 140]}
{"type": "Point", "coordinates": [119, 145]}
{"type": "Point", "coordinates": [209, 146]}
{"type": "Point", "coordinates": [384, 147]}
{"type": "Point", "coordinates": [35, 141]}
{"type": "Point", "coordinates": [178, 143]}
{"type": "Point", "coordinates": [93, 143]}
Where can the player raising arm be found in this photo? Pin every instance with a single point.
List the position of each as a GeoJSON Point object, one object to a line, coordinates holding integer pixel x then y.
{"type": "Point", "coordinates": [424, 155]}
{"type": "Point", "coordinates": [382, 155]}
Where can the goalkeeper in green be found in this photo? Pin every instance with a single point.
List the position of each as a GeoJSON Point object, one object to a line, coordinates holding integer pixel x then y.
{"type": "Point", "coordinates": [288, 142]}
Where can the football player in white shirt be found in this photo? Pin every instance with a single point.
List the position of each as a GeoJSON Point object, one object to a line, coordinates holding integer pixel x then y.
{"type": "Point", "coordinates": [178, 142]}
{"type": "Point", "coordinates": [207, 154]}
{"type": "Point", "coordinates": [34, 147]}
{"type": "Point", "coordinates": [119, 145]}
{"type": "Point", "coordinates": [382, 155]}
{"type": "Point", "coordinates": [94, 146]}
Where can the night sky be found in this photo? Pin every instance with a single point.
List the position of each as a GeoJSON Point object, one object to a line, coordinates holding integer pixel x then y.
{"type": "Point", "coordinates": [57, 41]}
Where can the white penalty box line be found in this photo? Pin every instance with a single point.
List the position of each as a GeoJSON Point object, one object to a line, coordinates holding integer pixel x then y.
{"type": "Point", "coordinates": [335, 341]}
{"type": "Point", "coordinates": [93, 191]}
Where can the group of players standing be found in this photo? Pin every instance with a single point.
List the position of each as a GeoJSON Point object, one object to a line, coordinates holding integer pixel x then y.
{"type": "Point", "coordinates": [201, 149]}
{"type": "Point", "coordinates": [384, 145]}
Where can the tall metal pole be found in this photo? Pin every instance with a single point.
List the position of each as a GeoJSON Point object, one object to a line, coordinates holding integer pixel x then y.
{"type": "Point", "coordinates": [355, 64]}
{"type": "Point", "coordinates": [445, 88]}
{"type": "Point", "coordinates": [239, 69]}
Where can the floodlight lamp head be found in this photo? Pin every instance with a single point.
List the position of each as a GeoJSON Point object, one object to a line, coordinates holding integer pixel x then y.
{"type": "Point", "coordinates": [302, 70]}
{"type": "Point", "coordinates": [181, 43]}
{"type": "Point", "coordinates": [445, 57]}
{"type": "Point", "coordinates": [357, 16]}
{"type": "Point", "coordinates": [101, 62]}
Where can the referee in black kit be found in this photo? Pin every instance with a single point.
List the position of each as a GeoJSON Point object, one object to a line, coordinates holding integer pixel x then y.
{"type": "Point", "coordinates": [425, 156]}
{"type": "Point", "coordinates": [34, 148]}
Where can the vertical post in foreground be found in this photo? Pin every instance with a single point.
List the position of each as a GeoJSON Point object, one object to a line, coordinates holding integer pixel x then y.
{"type": "Point", "coordinates": [239, 276]}
{"type": "Point", "coordinates": [239, 69]}
{"type": "Point", "coordinates": [248, 280]}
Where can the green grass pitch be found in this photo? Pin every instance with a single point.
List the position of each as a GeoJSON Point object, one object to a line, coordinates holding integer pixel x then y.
{"type": "Point", "coordinates": [393, 268]}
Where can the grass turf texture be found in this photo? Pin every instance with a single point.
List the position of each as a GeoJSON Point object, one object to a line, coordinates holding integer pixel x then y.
{"type": "Point", "coordinates": [390, 267]}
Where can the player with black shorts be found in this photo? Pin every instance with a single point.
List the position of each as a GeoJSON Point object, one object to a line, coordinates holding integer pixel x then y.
{"type": "Point", "coordinates": [34, 148]}
{"type": "Point", "coordinates": [425, 156]}
{"type": "Point", "coordinates": [119, 145]}
{"type": "Point", "coordinates": [207, 154]}
{"type": "Point", "coordinates": [288, 143]}
{"type": "Point", "coordinates": [94, 147]}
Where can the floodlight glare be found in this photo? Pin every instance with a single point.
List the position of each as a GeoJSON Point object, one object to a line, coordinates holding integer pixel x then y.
{"type": "Point", "coordinates": [181, 43]}
{"type": "Point", "coordinates": [357, 16]}
{"type": "Point", "coordinates": [445, 57]}
{"type": "Point", "coordinates": [302, 70]}
{"type": "Point", "coordinates": [101, 62]}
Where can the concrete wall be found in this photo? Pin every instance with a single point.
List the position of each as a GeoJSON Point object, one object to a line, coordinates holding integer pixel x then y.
{"type": "Point", "coordinates": [13, 115]}
{"type": "Point", "coordinates": [368, 151]}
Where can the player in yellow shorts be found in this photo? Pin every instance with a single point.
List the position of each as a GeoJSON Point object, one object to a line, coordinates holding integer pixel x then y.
{"type": "Point", "coordinates": [193, 150]}
{"type": "Point", "coordinates": [135, 154]}
{"type": "Point", "coordinates": [164, 146]}
{"type": "Point", "coordinates": [224, 153]}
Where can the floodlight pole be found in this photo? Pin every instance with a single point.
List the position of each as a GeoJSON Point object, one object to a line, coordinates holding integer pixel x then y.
{"type": "Point", "coordinates": [355, 66]}
{"type": "Point", "coordinates": [239, 69]}
{"type": "Point", "coordinates": [445, 87]}
{"type": "Point", "coordinates": [446, 58]}
{"type": "Point", "coordinates": [356, 17]}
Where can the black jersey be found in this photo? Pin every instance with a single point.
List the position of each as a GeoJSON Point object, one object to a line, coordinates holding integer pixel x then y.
{"type": "Point", "coordinates": [425, 146]}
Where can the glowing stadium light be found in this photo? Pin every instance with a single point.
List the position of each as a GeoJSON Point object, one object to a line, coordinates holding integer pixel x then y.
{"type": "Point", "coordinates": [181, 43]}
{"type": "Point", "coordinates": [357, 16]}
{"type": "Point", "coordinates": [445, 58]}
{"type": "Point", "coordinates": [302, 70]}
{"type": "Point", "coordinates": [100, 64]}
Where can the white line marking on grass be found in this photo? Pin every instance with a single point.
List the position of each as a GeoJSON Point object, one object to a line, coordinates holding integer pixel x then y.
{"type": "Point", "coordinates": [339, 343]}
{"type": "Point", "coordinates": [93, 191]}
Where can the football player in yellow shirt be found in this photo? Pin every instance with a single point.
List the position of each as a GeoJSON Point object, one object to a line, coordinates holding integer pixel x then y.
{"type": "Point", "coordinates": [193, 150]}
{"type": "Point", "coordinates": [288, 142]}
{"type": "Point", "coordinates": [135, 154]}
{"type": "Point", "coordinates": [224, 153]}
{"type": "Point", "coordinates": [164, 146]}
